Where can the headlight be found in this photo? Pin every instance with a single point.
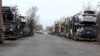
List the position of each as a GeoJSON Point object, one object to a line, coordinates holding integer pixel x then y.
{"type": "Point", "coordinates": [11, 26]}
{"type": "Point", "coordinates": [3, 28]}
{"type": "Point", "coordinates": [11, 29]}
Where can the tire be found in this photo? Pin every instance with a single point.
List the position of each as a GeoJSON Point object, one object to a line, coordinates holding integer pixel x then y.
{"type": "Point", "coordinates": [1, 37]}
{"type": "Point", "coordinates": [72, 37]}
{"type": "Point", "coordinates": [14, 38]}
{"type": "Point", "coordinates": [1, 40]}
{"type": "Point", "coordinates": [76, 38]}
{"type": "Point", "coordinates": [66, 35]}
{"type": "Point", "coordinates": [93, 40]}
{"type": "Point", "coordinates": [69, 35]}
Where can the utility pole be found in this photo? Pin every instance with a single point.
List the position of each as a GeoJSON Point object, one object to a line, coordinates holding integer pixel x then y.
{"type": "Point", "coordinates": [1, 24]}
{"type": "Point", "coordinates": [1, 19]}
{"type": "Point", "coordinates": [98, 23]}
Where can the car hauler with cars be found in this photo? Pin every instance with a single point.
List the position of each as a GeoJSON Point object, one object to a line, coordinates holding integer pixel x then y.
{"type": "Point", "coordinates": [82, 26]}
{"type": "Point", "coordinates": [11, 23]}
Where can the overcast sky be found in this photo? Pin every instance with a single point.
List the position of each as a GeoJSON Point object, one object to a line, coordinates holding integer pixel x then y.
{"type": "Point", "coordinates": [50, 10]}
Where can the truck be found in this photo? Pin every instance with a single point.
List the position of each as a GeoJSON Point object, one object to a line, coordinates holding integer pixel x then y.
{"type": "Point", "coordinates": [31, 25]}
{"type": "Point", "coordinates": [56, 28]}
{"type": "Point", "coordinates": [27, 27]}
{"type": "Point", "coordinates": [67, 27]}
{"type": "Point", "coordinates": [59, 27]}
{"type": "Point", "coordinates": [62, 27]}
{"type": "Point", "coordinates": [11, 22]}
{"type": "Point", "coordinates": [82, 26]}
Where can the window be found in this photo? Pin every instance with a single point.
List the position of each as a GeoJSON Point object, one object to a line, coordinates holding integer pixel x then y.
{"type": "Point", "coordinates": [89, 12]}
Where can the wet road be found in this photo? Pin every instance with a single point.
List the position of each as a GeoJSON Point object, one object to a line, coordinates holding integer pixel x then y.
{"type": "Point", "coordinates": [47, 45]}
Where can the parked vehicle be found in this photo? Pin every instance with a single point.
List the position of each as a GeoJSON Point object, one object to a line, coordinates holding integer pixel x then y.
{"type": "Point", "coordinates": [31, 27]}
{"type": "Point", "coordinates": [11, 23]}
{"type": "Point", "coordinates": [26, 26]}
{"type": "Point", "coordinates": [81, 26]}
{"type": "Point", "coordinates": [57, 27]}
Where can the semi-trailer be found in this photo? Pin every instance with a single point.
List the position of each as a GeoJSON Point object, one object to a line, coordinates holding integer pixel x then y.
{"type": "Point", "coordinates": [11, 22]}
{"type": "Point", "coordinates": [81, 26]}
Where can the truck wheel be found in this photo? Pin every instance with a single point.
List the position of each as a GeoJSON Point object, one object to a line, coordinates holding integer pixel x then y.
{"type": "Point", "coordinates": [14, 37]}
{"type": "Point", "coordinates": [1, 37]}
{"type": "Point", "coordinates": [76, 38]}
{"type": "Point", "coordinates": [66, 35]}
{"type": "Point", "coordinates": [93, 40]}
{"type": "Point", "coordinates": [1, 41]}
{"type": "Point", "coordinates": [72, 37]}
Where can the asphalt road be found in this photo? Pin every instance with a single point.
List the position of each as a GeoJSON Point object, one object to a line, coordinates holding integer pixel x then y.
{"type": "Point", "coordinates": [47, 45]}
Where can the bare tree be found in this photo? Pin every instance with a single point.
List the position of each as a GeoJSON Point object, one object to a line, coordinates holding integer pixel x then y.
{"type": "Point", "coordinates": [14, 8]}
{"type": "Point", "coordinates": [31, 14]}
{"type": "Point", "coordinates": [1, 19]}
{"type": "Point", "coordinates": [88, 6]}
{"type": "Point", "coordinates": [39, 27]}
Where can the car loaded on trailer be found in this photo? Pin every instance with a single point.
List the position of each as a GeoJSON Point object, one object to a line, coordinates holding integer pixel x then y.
{"type": "Point", "coordinates": [11, 23]}
{"type": "Point", "coordinates": [82, 26]}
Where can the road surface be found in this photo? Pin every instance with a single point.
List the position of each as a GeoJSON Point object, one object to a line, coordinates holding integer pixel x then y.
{"type": "Point", "coordinates": [47, 45]}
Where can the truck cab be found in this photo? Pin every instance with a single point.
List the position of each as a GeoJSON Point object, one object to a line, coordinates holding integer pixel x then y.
{"type": "Point", "coordinates": [83, 29]}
